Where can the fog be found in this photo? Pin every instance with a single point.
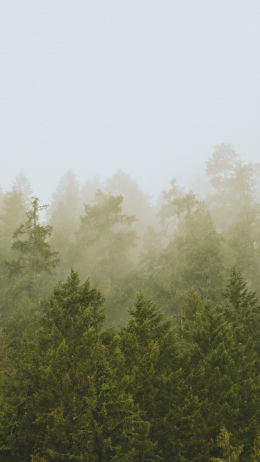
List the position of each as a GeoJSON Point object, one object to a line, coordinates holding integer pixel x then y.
{"type": "Point", "coordinates": [129, 231]}
{"type": "Point", "coordinates": [144, 87]}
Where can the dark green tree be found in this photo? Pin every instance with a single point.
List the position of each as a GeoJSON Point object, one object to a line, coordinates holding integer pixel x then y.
{"type": "Point", "coordinates": [243, 313]}
{"type": "Point", "coordinates": [229, 453]}
{"type": "Point", "coordinates": [211, 370]}
{"type": "Point", "coordinates": [156, 381]}
{"type": "Point", "coordinates": [74, 405]}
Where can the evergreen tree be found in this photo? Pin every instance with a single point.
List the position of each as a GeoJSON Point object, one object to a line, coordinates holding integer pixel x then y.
{"type": "Point", "coordinates": [135, 202]}
{"type": "Point", "coordinates": [104, 241]}
{"type": "Point", "coordinates": [230, 453]}
{"type": "Point", "coordinates": [192, 256]}
{"type": "Point", "coordinates": [211, 370]}
{"type": "Point", "coordinates": [156, 381]}
{"type": "Point", "coordinates": [255, 454]}
{"type": "Point", "coordinates": [243, 312]}
{"type": "Point", "coordinates": [74, 404]}
{"type": "Point", "coordinates": [28, 276]}
{"type": "Point", "coordinates": [234, 204]}
{"type": "Point", "coordinates": [64, 217]}
{"type": "Point", "coordinates": [13, 212]}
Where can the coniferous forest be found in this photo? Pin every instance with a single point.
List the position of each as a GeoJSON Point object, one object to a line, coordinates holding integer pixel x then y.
{"type": "Point", "coordinates": [129, 329]}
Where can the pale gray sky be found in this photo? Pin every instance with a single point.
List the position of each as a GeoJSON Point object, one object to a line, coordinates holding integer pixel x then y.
{"type": "Point", "coordinates": [148, 87]}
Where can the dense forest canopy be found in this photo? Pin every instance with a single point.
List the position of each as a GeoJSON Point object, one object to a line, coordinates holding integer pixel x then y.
{"type": "Point", "coordinates": [129, 330]}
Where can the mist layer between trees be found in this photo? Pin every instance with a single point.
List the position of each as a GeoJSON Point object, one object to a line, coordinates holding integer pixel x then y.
{"type": "Point", "coordinates": [155, 356]}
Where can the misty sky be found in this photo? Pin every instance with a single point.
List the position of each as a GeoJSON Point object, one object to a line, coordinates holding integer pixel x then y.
{"type": "Point", "coordinates": [148, 87]}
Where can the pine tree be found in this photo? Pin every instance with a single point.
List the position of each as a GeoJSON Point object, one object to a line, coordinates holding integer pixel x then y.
{"type": "Point", "coordinates": [34, 260]}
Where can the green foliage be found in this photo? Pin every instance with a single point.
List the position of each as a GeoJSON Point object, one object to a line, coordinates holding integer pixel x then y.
{"type": "Point", "coordinates": [230, 453]}
{"type": "Point", "coordinates": [104, 237]}
{"type": "Point", "coordinates": [154, 363]}
{"type": "Point", "coordinates": [103, 247]}
{"type": "Point", "coordinates": [74, 405]}
{"type": "Point", "coordinates": [30, 243]}
{"type": "Point", "coordinates": [64, 217]}
{"type": "Point", "coordinates": [27, 275]}
{"type": "Point", "coordinates": [180, 383]}
{"type": "Point", "coordinates": [152, 391]}
{"type": "Point", "coordinates": [243, 314]}
{"type": "Point", "coordinates": [192, 256]}
{"type": "Point", "coordinates": [234, 205]}
{"type": "Point", "coordinates": [13, 213]}
{"type": "Point", "coordinates": [255, 454]}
